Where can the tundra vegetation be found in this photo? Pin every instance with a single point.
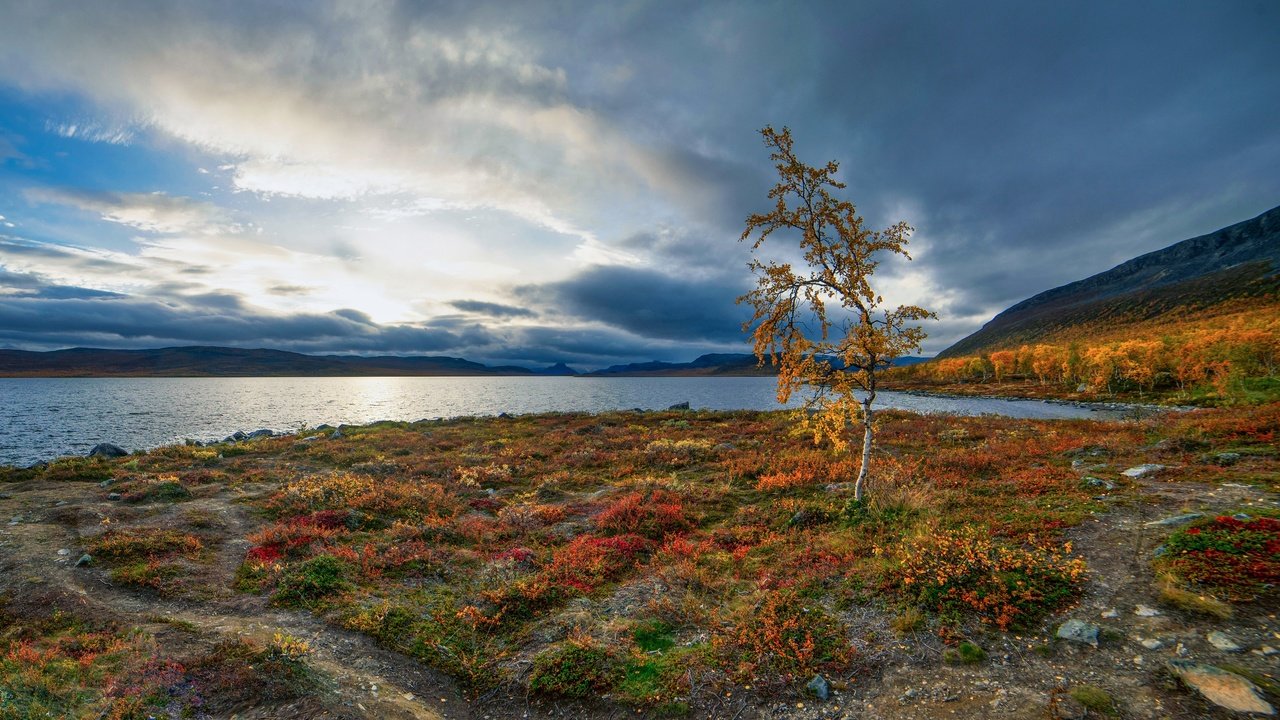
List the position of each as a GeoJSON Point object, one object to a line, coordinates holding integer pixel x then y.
{"type": "Point", "coordinates": [651, 561]}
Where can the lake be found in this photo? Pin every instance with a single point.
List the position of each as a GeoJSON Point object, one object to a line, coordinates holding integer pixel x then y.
{"type": "Point", "coordinates": [43, 418]}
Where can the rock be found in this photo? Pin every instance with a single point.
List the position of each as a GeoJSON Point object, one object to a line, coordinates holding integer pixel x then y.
{"type": "Point", "coordinates": [1079, 631]}
{"type": "Point", "coordinates": [263, 433]}
{"type": "Point", "coordinates": [680, 406]}
{"type": "Point", "coordinates": [1082, 387]}
{"type": "Point", "coordinates": [1069, 708]}
{"type": "Point", "coordinates": [1223, 642]}
{"type": "Point", "coordinates": [1160, 550]}
{"type": "Point", "coordinates": [1242, 517]}
{"type": "Point", "coordinates": [504, 415]}
{"type": "Point", "coordinates": [819, 687]}
{"type": "Point", "coordinates": [336, 434]}
{"type": "Point", "coordinates": [63, 552]}
{"type": "Point", "coordinates": [1266, 651]}
{"type": "Point", "coordinates": [725, 447]}
{"type": "Point", "coordinates": [106, 483]}
{"type": "Point", "coordinates": [1226, 458]}
{"type": "Point", "coordinates": [840, 487]}
{"type": "Point", "coordinates": [808, 517]}
{"type": "Point", "coordinates": [1088, 451]}
{"type": "Point", "coordinates": [84, 560]}
{"type": "Point", "coordinates": [1099, 483]}
{"type": "Point", "coordinates": [1145, 611]}
{"type": "Point", "coordinates": [1111, 613]}
{"type": "Point", "coordinates": [1222, 688]}
{"type": "Point", "coordinates": [1175, 520]}
{"type": "Point", "coordinates": [1150, 643]}
{"type": "Point", "coordinates": [113, 496]}
{"type": "Point", "coordinates": [107, 450]}
{"type": "Point", "coordinates": [1142, 470]}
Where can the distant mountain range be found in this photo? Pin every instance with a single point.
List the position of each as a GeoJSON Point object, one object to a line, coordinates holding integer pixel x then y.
{"type": "Point", "coordinates": [1237, 262]}
{"type": "Point", "coordinates": [713, 364]}
{"type": "Point", "coordinates": [200, 361]}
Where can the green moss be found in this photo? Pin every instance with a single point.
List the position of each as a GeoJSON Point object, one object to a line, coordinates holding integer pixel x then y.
{"type": "Point", "coordinates": [965, 653]}
{"type": "Point", "coordinates": [1094, 698]}
{"type": "Point", "coordinates": [312, 581]}
{"type": "Point", "coordinates": [575, 669]}
{"type": "Point", "coordinates": [653, 635]}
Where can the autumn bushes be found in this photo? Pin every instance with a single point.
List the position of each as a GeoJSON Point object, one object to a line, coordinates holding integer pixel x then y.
{"type": "Point", "coordinates": [1225, 356]}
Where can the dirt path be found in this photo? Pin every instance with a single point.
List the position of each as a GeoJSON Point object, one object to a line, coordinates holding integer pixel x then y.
{"type": "Point", "coordinates": [45, 529]}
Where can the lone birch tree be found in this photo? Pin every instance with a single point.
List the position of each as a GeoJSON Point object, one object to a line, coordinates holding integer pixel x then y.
{"type": "Point", "coordinates": [822, 324]}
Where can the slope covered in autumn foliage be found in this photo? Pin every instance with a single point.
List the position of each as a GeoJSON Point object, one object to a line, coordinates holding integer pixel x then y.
{"type": "Point", "coordinates": [1236, 266]}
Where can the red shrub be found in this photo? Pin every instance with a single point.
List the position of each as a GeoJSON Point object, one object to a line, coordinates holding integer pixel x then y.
{"type": "Point", "coordinates": [653, 515]}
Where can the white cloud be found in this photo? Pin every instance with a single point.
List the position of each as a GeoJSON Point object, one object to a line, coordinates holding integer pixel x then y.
{"type": "Point", "coordinates": [152, 212]}
{"type": "Point", "coordinates": [92, 132]}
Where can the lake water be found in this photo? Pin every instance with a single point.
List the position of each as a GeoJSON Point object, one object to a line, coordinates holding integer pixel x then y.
{"type": "Point", "coordinates": [43, 418]}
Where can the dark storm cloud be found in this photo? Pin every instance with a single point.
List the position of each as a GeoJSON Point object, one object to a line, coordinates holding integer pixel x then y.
{"type": "Point", "coordinates": [496, 310]}
{"type": "Point", "coordinates": [39, 315]}
{"type": "Point", "coordinates": [648, 303]}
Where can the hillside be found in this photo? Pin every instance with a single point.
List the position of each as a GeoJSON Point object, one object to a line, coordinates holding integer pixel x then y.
{"type": "Point", "coordinates": [1222, 270]}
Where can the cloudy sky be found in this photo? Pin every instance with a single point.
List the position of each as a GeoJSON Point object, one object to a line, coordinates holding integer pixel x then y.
{"type": "Point", "coordinates": [535, 182]}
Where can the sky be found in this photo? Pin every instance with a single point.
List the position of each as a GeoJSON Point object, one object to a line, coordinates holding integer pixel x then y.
{"type": "Point", "coordinates": [530, 183]}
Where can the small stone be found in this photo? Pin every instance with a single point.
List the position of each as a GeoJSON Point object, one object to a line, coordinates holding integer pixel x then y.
{"type": "Point", "coordinates": [1222, 688]}
{"type": "Point", "coordinates": [1266, 651]}
{"type": "Point", "coordinates": [1143, 470]}
{"type": "Point", "coordinates": [1160, 551]}
{"type": "Point", "coordinates": [1223, 642]}
{"type": "Point", "coordinates": [113, 496]}
{"type": "Point", "coordinates": [84, 560]}
{"type": "Point", "coordinates": [1145, 611]}
{"type": "Point", "coordinates": [1227, 458]}
{"type": "Point", "coordinates": [63, 552]}
{"type": "Point", "coordinates": [1082, 388]}
{"type": "Point", "coordinates": [336, 434]}
{"type": "Point", "coordinates": [1242, 517]}
{"type": "Point", "coordinates": [819, 687]}
{"type": "Point", "coordinates": [1111, 613]}
{"type": "Point", "coordinates": [1079, 631]}
{"type": "Point", "coordinates": [1151, 643]}
{"type": "Point", "coordinates": [1175, 520]}
{"type": "Point", "coordinates": [1099, 483]}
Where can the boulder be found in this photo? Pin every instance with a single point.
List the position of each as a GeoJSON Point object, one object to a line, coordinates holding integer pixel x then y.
{"type": "Point", "coordinates": [1143, 470]}
{"type": "Point", "coordinates": [1175, 520]}
{"type": "Point", "coordinates": [680, 406]}
{"type": "Point", "coordinates": [84, 560]}
{"type": "Point", "coordinates": [1079, 631]}
{"type": "Point", "coordinates": [819, 687]}
{"type": "Point", "coordinates": [1222, 688]}
{"type": "Point", "coordinates": [263, 433]}
{"type": "Point", "coordinates": [1223, 642]}
{"type": "Point", "coordinates": [107, 450]}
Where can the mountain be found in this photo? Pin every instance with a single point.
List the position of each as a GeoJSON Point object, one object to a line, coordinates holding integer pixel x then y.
{"type": "Point", "coordinates": [1237, 264]}
{"type": "Point", "coordinates": [558, 369]}
{"type": "Point", "coordinates": [200, 361]}
{"type": "Point", "coordinates": [725, 364]}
